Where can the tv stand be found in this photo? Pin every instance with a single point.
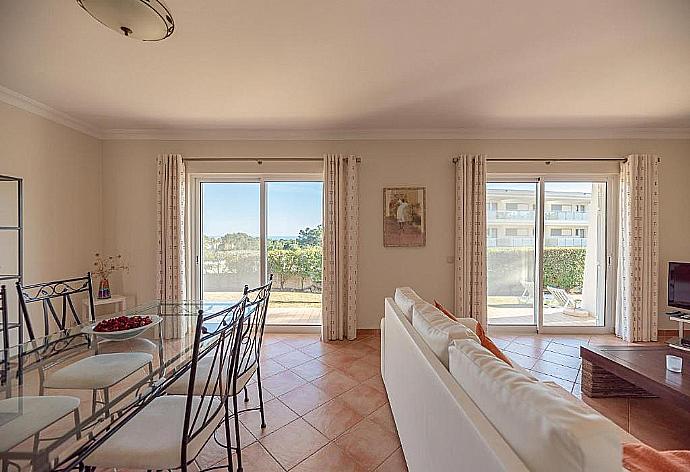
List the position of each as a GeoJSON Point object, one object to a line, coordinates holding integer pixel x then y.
{"type": "Point", "coordinates": [682, 318]}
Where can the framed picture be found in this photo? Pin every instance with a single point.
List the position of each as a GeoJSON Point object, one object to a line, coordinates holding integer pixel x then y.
{"type": "Point", "coordinates": [404, 217]}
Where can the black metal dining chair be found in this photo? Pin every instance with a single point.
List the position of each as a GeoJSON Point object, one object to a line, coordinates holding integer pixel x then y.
{"type": "Point", "coordinates": [248, 363]}
{"type": "Point", "coordinates": [26, 416]}
{"type": "Point", "coordinates": [58, 304]}
{"type": "Point", "coordinates": [170, 431]}
{"type": "Point", "coordinates": [99, 372]}
{"type": "Point", "coordinates": [249, 356]}
{"type": "Point", "coordinates": [4, 327]}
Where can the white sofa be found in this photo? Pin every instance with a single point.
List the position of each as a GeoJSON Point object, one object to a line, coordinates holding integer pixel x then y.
{"type": "Point", "coordinates": [479, 414]}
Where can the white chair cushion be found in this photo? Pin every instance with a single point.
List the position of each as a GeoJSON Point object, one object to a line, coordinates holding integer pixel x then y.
{"type": "Point", "coordinates": [548, 432]}
{"type": "Point", "coordinates": [406, 299]}
{"type": "Point", "coordinates": [25, 416]}
{"type": "Point", "coordinates": [181, 385]}
{"type": "Point", "coordinates": [438, 331]}
{"type": "Point", "coordinates": [152, 439]}
{"type": "Point", "coordinates": [137, 344]}
{"type": "Point", "coordinates": [101, 371]}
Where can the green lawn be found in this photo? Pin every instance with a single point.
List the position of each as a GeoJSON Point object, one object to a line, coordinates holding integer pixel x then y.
{"type": "Point", "coordinates": [278, 299]}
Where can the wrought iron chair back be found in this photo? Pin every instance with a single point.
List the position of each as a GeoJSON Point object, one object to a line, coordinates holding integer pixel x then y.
{"type": "Point", "coordinates": [57, 303]}
{"type": "Point", "coordinates": [4, 319]}
{"type": "Point", "coordinates": [255, 322]}
{"type": "Point", "coordinates": [206, 408]}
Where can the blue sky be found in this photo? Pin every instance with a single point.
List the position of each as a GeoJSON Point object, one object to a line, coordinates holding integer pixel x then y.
{"type": "Point", "coordinates": [234, 207]}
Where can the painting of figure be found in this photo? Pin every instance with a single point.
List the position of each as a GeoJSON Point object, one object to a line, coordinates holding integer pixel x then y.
{"type": "Point", "coordinates": [404, 216]}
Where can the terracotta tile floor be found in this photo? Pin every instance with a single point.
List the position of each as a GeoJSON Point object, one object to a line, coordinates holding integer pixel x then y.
{"type": "Point", "coordinates": [552, 357]}
{"type": "Point", "coordinates": [326, 407]}
{"type": "Point", "coordinates": [326, 410]}
{"type": "Point", "coordinates": [557, 358]}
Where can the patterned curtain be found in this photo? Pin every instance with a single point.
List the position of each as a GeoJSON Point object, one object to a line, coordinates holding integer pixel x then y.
{"type": "Point", "coordinates": [470, 237]}
{"type": "Point", "coordinates": [638, 254]}
{"type": "Point", "coordinates": [170, 191]}
{"type": "Point", "coordinates": [340, 247]}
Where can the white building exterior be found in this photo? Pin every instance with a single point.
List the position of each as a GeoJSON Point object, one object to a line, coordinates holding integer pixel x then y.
{"type": "Point", "coordinates": [511, 218]}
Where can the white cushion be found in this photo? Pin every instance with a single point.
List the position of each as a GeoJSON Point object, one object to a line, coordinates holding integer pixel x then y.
{"type": "Point", "coordinates": [100, 371]}
{"type": "Point", "coordinates": [548, 432]}
{"type": "Point", "coordinates": [25, 416]}
{"type": "Point", "coordinates": [406, 299]}
{"type": "Point", "coordinates": [137, 344]}
{"type": "Point", "coordinates": [470, 323]}
{"type": "Point", "coordinates": [181, 385]}
{"type": "Point", "coordinates": [438, 331]}
{"type": "Point", "coordinates": [152, 439]}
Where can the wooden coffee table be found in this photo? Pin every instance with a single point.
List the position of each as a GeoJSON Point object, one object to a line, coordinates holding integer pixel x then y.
{"type": "Point", "coordinates": [634, 371]}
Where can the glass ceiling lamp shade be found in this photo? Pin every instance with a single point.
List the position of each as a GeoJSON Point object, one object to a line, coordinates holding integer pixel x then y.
{"type": "Point", "coordinates": [147, 20]}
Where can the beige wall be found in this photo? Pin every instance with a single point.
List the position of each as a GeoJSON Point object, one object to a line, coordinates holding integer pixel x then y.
{"type": "Point", "coordinates": [61, 169]}
{"type": "Point", "coordinates": [72, 179]}
{"type": "Point", "coordinates": [129, 224]}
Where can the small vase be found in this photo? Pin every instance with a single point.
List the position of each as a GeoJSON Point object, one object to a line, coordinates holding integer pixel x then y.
{"type": "Point", "coordinates": [103, 289]}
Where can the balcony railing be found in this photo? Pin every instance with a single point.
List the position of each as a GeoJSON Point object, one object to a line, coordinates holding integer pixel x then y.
{"type": "Point", "coordinates": [561, 241]}
{"type": "Point", "coordinates": [528, 215]}
{"type": "Point", "coordinates": [566, 215]}
{"type": "Point", "coordinates": [522, 215]}
{"type": "Point", "coordinates": [518, 241]}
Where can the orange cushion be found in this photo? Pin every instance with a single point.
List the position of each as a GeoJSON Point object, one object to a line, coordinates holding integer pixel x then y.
{"type": "Point", "coordinates": [489, 344]}
{"type": "Point", "coordinates": [485, 340]}
{"type": "Point", "coordinates": [642, 458]}
{"type": "Point", "coordinates": [445, 311]}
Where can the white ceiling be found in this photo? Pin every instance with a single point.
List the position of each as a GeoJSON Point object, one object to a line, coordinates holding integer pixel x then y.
{"type": "Point", "coordinates": [360, 65]}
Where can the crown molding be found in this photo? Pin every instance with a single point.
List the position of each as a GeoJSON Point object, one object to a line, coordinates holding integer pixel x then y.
{"type": "Point", "coordinates": [25, 103]}
{"type": "Point", "coordinates": [221, 134]}
{"type": "Point", "coordinates": [395, 134]}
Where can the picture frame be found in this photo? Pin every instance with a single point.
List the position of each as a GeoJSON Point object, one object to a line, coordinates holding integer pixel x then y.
{"type": "Point", "coordinates": [404, 216]}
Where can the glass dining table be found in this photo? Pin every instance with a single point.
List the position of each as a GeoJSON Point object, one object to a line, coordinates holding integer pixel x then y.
{"type": "Point", "coordinates": [45, 429]}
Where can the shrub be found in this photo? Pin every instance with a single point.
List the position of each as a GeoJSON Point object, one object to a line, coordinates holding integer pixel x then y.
{"type": "Point", "coordinates": [564, 267]}
{"type": "Point", "coordinates": [508, 267]}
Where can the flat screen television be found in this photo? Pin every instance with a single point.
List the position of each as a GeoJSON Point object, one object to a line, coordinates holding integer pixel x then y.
{"type": "Point", "coordinates": [679, 284]}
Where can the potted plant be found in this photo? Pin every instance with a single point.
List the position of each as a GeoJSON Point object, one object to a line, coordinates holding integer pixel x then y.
{"type": "Point", "coordinates": [104, 266]}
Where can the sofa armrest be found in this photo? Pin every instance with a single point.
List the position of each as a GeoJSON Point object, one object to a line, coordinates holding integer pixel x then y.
{"type": "Point", "coordinates": [383, 340]}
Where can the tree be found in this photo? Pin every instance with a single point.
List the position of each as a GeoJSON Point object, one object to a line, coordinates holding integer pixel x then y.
{"type": "Point", "coordinates": [309, 237]}
{"type": "Point", "coordinates": [281, 263]}
{"type": "Point", "coordinates": [304, 260]}
{"type": "Point", "coordinates": [315, 265]}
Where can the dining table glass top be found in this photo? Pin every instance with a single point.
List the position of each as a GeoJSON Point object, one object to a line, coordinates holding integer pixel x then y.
{"type": "Point", "coordinates": [46, 379]}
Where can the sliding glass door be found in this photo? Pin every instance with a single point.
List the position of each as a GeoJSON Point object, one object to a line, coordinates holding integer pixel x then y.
{"type": "Point", "coordinates": [548, 252]}
{"type": "Point", "coordinates": [231, 243]}
{"type": "Point", "coordinates": [245, 228]}
{"type": "Point", "coordinates": [511, 247]}
{"type": "Point", "coordinates": [294, 254]}
{"type": "Point", "coordinates": [574, 253]}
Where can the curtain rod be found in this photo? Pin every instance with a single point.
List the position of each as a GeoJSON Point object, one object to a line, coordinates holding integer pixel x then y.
{"type": "Point", "coordinates": [258, 160]}
{"type": "Point", "coordinates": [548, 160]}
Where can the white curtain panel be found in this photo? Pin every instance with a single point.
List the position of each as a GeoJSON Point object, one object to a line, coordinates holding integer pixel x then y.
{"type": "Point", "coordinates": [638, 254]}
{"type": "Point", "coordinates": [170, 191]}
{"type": "Point", "coordinates": [340, 247]}
{"type": "Point", "coordinates": [470, 237]}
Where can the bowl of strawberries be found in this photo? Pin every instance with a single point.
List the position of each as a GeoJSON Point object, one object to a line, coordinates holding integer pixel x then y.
{"type": "Point", "coordinates": [122, 327]}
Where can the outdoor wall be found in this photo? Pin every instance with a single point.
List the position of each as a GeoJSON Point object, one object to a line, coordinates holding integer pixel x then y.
{"type": "Point", "coordinates": [129, 216]}
{"type": "Point", "coordinates": [61, 169]}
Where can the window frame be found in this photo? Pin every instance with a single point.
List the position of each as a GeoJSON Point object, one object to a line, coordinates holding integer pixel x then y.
{"type": "Point", "coordinates": [193, 250]}
{"type": "Point", "coordinates": [611, 242]}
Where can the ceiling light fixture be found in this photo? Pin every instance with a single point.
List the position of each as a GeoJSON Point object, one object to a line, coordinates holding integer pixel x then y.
{"type": "Point", "coordinates": [147, 20]}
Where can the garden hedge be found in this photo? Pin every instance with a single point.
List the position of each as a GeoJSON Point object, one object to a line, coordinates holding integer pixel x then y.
{"type": "Point", "coordinates": [507, 267]}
